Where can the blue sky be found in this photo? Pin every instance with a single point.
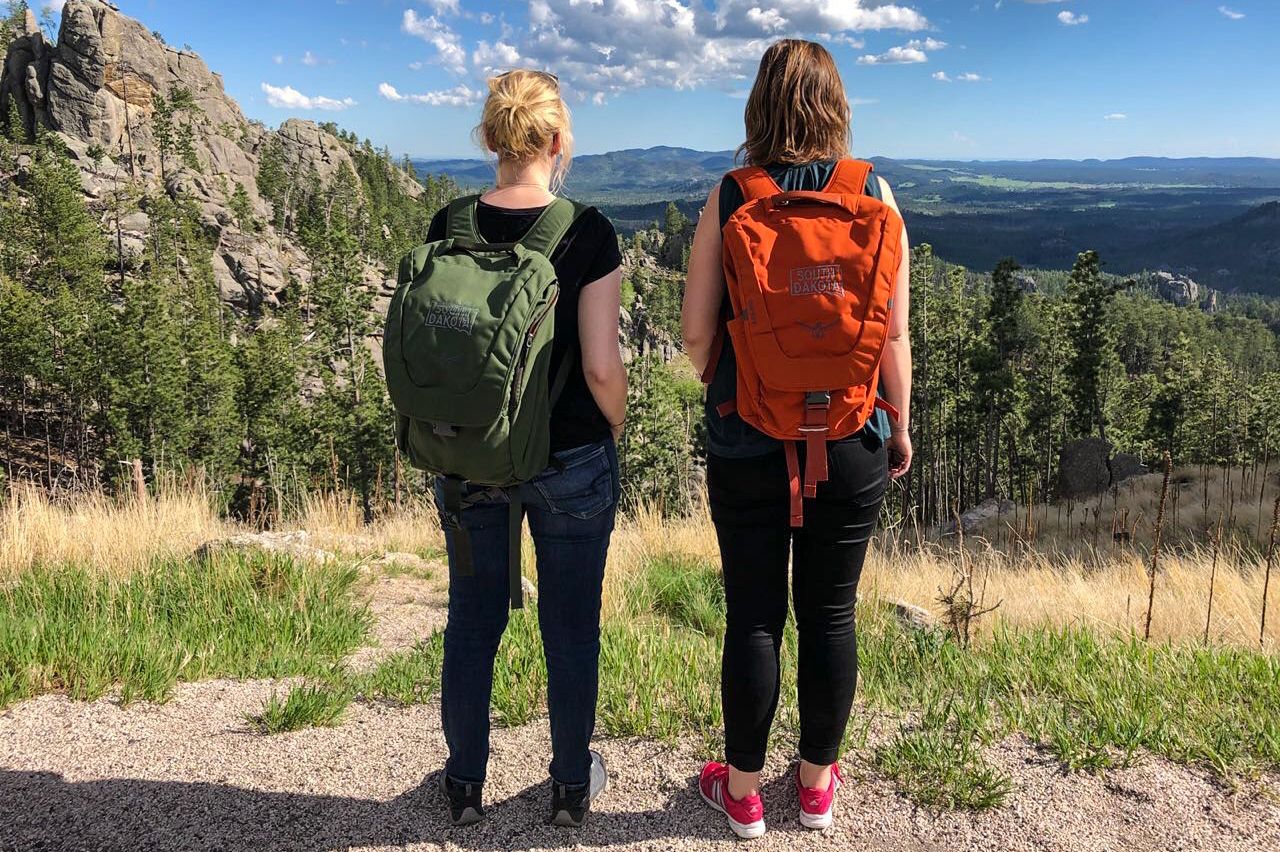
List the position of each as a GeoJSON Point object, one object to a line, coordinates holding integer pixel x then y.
{"type": "Point", "coordinates": [970, 79]}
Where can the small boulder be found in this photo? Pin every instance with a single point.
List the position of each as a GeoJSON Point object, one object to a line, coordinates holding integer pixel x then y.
{"type": "Point", "coordinates": [1126, 466]}
{"type": "Point", "coordinates": [912, 617]}
{"type": "Point", "coordinates": [1083, 470]}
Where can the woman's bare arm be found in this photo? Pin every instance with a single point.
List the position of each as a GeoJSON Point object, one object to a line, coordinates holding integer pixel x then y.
{"type": "Point", "coordinates": [704, 288]}
{"type": "Point", "coordinates": [895, 367]}
{"type": "Point", "coordinates": [598, 311]}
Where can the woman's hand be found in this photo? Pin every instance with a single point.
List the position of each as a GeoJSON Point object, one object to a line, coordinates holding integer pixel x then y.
{"type": "Point", "coordinates": [900, 452]}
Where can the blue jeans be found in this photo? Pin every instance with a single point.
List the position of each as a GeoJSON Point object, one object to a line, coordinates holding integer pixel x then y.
{"type": "Point", "coordinates": [571, 507]}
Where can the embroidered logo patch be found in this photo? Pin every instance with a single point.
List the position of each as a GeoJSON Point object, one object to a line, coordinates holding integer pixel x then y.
{"type": "Point", "coordinates": [817, 280]}
{"type": "Point", "coordinates": [818, 329]}
{"type": "Point", "coordinates": [454, 317]}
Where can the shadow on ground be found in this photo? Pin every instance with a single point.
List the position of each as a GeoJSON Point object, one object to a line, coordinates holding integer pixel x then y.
{"type": "Point", "coordinates": [45, 811]}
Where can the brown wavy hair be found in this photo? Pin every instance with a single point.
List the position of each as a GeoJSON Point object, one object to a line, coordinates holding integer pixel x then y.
{"type": "Point", "coordinates": [797, 111]}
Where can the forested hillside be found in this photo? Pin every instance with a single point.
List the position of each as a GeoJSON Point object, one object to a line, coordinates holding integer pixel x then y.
{"type": "Point", "coordinates": [184, 287]}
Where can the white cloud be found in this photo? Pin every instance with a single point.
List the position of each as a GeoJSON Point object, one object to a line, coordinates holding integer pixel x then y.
{"type": "Point", "coordinates": [966, 77]}
{"type": "Point", "coordinates": [287, 97]}
{"type": "Point", "coordinates": [1231, 13]}
{"type": "Point", "coordinates": [459, 95]}
{"type": "Point", "coordinates": [927, 44]}
{"type": "Point", "coordinates": [448, 44]}
{"type": "Point", "coordinates": [1071, 19]}
{"type": "Point", "coordinates": [611, 46]}
{"type": "Point", "coordinates": [53, 6]}
{"type": "Point", "coordinates": [487, 18]}
{"type": "Point", "coordinates": [310, 59]}
{"type": "Point", "coordinates": [895, 56]}
{"type": "Point", "coordinates": [278, 59]}
{"type": "Point", "coordinates": [841, 38]}
{"type": "Point", "coordinates": [498, 56]}
{"type": "Point", "coordinates": [443, 7]}
{"type": "Point", "coordinates": [1115, 116]}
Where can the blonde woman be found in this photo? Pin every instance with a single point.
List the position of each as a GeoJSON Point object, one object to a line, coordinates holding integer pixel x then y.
{"type": "Point", "coordinates": [797, 131]}
{"type": "Point", "coordinates": [571, 505]}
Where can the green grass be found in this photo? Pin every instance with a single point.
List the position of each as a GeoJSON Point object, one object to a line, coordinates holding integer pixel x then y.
{"type": "Point", "coordinates": [67, 629]}
{"type": "Point", "coordinates": [1093, 702]}
{"type": "Point", "coordinates": [304, 707]}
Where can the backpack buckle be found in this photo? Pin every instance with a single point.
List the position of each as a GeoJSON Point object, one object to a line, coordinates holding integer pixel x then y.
{"type": "Point", "coordinates": [817, 404]}
{"type": "Point", "coordinates": [817, 399]}
{"type": "Point", "coordinates": [444, 430]}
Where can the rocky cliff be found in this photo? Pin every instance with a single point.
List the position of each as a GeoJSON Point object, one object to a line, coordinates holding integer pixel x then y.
{"type": "Point", "coordinates": [99, 87]}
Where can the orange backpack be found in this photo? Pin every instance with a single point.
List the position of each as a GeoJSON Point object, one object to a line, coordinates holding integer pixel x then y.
{"type": "Point", "coordinates": [811, 279]}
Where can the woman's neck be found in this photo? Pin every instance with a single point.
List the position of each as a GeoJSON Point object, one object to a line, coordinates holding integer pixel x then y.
{"type": "Point", "coordinates": [521, 185]}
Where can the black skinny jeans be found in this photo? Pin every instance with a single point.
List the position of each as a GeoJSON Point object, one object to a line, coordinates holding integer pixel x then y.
{"type": "Point", "coordinates": [749, 505]}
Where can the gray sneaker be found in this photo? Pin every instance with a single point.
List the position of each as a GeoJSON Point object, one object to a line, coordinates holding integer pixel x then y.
{"type": "Point", "coordinates": [570, 805]}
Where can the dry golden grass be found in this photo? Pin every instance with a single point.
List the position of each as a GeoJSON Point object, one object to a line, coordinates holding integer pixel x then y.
{"type": "Point", "coordinates": [336, 523]}
{"type": "Point", "coordinates": [1198, 499]}
{"type": "Point", "coordinates": [1036, 586]}
{"type": "Point", "coordinates": [113, 536]}
{"type": "Point", "coordinates": [1040, 589]}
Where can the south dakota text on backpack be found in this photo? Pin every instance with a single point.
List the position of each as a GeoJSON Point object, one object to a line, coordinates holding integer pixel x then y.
{"type": "Point", "coordinates": [467, 353]}
{"type": "Point", "coordinates": [811, 278]}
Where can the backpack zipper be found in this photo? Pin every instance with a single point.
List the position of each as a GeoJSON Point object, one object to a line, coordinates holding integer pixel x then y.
{"type": "Point", "coordinates": [524, 352]}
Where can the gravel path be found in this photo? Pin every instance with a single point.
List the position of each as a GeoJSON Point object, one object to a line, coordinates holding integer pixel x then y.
{"type": "Point", "coordinates": [192, 775]}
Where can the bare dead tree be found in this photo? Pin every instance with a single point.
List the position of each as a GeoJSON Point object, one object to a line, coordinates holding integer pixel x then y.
{"type": "Point", "coordinates": [1155, 547]}
{"type": "Point", "coordinates": [1266, 579]}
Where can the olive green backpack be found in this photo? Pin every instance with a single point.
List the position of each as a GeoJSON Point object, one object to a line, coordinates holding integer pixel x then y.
{"type": "Point", "coordinates": [467, 353]}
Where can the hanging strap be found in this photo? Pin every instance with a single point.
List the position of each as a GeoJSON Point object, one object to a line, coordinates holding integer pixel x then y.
{"type": "Point", "coordinates": [815, 426]}
{"type": "Point", "coordinates": [885, 406]}
{"type": "Point", "coordinates": [453, 488]}
{"type": "Point", "coordinates": [717, 349]}
{"type": "Point", "coordinates": [515, 521]}
{"type": "Point", "coordinates": [793, 484]}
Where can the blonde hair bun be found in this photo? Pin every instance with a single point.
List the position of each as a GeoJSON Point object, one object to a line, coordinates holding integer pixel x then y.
{"type": "Point", "coordinates": [523, 113]}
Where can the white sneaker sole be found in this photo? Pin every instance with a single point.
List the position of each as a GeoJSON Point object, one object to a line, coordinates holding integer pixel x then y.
{"type": "Point", "coordinates": [819, 822]}
{"type": "Point", "coordinates": [747, 832]}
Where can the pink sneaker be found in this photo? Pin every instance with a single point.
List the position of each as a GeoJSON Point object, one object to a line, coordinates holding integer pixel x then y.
{"type": "Point", "coordinates": [816, 805]}
{"type": "Point", "coordinates": [745, 815]}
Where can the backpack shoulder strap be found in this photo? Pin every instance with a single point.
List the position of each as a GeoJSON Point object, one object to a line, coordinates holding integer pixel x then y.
{"type": "Point", "coordinates": [460, 220]}
{"type": "Point", "coordinates": [849, 177]}
{"type": "Point", "coordinates": [755, 183]}
{"type": "Point", "coordinates": [546, 233]}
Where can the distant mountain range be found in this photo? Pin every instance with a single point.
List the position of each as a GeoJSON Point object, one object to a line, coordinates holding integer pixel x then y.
{"type": "Point", "coordinates": [1139, 212]}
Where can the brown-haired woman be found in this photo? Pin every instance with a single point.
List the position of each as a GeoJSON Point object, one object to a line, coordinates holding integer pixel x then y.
{"type": "Point", "coordinates": [571, 505]}
{"type": "Point", "coordinates": [797, 129]}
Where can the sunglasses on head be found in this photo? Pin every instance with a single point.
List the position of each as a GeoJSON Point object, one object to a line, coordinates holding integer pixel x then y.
{"type": "Point", "coordinates": [546, 75]}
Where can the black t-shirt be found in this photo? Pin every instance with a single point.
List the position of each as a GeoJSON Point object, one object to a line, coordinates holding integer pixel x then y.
{"type": "Point", "coordinates": [588, 252]}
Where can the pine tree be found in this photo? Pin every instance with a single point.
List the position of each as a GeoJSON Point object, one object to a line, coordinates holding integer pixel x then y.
{"type": "Point", "coordinates": [1090, 295]}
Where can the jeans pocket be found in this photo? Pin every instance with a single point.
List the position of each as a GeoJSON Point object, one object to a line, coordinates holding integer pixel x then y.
{"type": "Point", "coordinates": [582, 484]}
